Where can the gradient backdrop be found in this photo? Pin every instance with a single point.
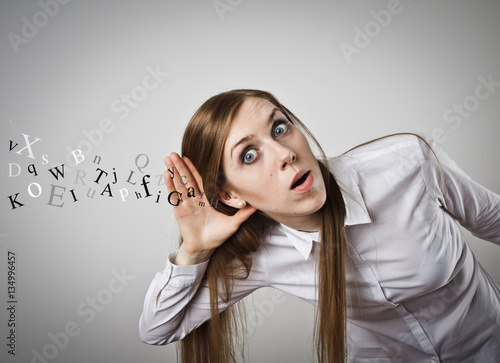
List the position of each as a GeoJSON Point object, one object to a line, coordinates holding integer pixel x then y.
{"type": "Point", "coordinates": [119, 81]}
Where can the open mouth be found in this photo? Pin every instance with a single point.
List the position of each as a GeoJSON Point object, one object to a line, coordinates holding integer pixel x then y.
{"type": "Point", "coordinates": [301, 180]}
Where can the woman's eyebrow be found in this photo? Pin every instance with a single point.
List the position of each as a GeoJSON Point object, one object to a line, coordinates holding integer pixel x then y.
{"type": "Point", "coordinates": [249, 137]}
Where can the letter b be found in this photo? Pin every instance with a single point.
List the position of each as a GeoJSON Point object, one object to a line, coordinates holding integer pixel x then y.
{"type": "Point", "coordinates": [28, 29]}
{"type": "Point", "coordinates": [78, 155]}
{"type": "Point", "coordinates": [266, 307]}
{"type": "Point", "coordinates": [50, 7]}
{"type": "Point", "coordinates": [37, 357]}
{"type": "Point", "coordinates": [60, 339]}
{"type": "Point", "coordinates": [94, 136]}
{"type": "Point", "coordinates": [361, 40]}
{"type": "Point", "coordinates": [383, 17]}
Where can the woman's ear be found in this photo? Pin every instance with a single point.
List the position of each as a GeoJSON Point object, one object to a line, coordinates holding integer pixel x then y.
{"type": "Point", "coordinates": [230, 199]}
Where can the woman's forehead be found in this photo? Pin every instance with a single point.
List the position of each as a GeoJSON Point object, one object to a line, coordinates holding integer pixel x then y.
{"type": "Point", "coordinates": [253, 109]}
{"type": "Point", "coordinates": [253, 113]}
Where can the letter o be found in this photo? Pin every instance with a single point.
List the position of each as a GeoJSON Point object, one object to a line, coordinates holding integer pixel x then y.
{"type": "Point", "coordinates": [36, 17]}
{"type": "Point", "coordinates": [436, 307]}
{"type": "Point", "coordinates": [39, 190]}
{"type": "Point", "coordinates": [45, 351]}
{"type": "Point", "coordinates": [139, 93]}
{"type": "Point", "coordinates": [259, 319]}
{"type": "Point", "coordinates": [371, 24]}
{"type": "Point", "coordinates": [471, 103]}
{"type": "Point", "coordinates": [446, 299]}
{"type": "Point", "coordinates": [105, 297]}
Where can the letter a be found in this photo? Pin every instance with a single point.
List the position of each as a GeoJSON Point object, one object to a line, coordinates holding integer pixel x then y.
{"type": "Point", "coordinates": [16, 40]}
{"type": "Point", "coordinates": [221, 8]}
{"type": "Point", "coordinates": [348, 50]}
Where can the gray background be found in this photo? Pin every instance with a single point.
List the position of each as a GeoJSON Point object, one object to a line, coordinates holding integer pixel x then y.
{"type": "Point", "coordinates": [62, 81]}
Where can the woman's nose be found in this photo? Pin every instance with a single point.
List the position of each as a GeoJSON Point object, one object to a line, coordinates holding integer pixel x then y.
{"type": "Point", "coordinates": [287, 157]}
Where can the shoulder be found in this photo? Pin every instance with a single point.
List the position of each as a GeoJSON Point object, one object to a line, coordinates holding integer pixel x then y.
{"type": "Point", "coordinates": [387, 166]}
{"type": "Point", "coordinates": [397, 143]}
{"type": "Point", "coordinates": [385, 173]}
{"type": "Point", "coordinates": [399, 151]}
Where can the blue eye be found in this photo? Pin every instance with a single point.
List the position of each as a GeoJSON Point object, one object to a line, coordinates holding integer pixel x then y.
{"type": "Point", "coordinates": [249, 156]}
{"type": "Point", "coordinates": [280, 128]}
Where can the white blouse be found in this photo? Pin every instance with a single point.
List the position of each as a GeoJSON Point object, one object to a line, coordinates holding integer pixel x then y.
{"type": "Point", "coordinates": [415, 291]}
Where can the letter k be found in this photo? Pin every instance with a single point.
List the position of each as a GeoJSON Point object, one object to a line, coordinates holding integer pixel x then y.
{"type": "Point", "coordinates": [490, 84]}
{"type": "Point", "coordinates": [157, 74]}
{"type": "Point", "coordinates": [123, 278]}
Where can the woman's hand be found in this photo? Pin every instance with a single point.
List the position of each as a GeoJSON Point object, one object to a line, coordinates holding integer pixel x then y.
{"type": "Point", "coordinates": [202, 228]}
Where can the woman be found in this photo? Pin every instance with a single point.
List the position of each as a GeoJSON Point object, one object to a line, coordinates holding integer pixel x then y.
{"type": "Point", "coordinates": [371, 238]}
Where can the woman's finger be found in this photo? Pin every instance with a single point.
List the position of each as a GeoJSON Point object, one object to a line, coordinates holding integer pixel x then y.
{"type": "Point", "coordinates": [167, 175]}
{"type": "Point", "coordinates": [194, 172]}
{"type": "Point", "coordinates": [183, 179]}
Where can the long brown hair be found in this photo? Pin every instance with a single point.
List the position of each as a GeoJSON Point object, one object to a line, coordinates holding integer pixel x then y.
{"type": "Point", "coordinates": [215, 340]}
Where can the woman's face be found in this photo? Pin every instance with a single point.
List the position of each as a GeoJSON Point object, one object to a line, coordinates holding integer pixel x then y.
{"type": "Point", "coordinates": [268, 164]}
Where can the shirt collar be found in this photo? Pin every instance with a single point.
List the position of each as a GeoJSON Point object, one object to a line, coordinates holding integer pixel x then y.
{"type": "Point", "coordinates": [302, 241]}
{"type": "Point", "coordinates": [356, 211]}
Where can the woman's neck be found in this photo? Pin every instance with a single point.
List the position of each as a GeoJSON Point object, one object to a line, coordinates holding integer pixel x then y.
{"type": "Point", "coordinates": [308, 223]}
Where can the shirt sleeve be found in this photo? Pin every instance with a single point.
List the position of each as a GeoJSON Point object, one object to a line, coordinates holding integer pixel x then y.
{"type": "Point", "coordinates": [472, 205]}
{"type": "Point", "coordinates": [166, 313]}
{"type": "Point", "coordinates": [178, 301]}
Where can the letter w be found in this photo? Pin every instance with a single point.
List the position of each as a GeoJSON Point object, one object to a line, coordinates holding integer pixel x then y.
{"type": "Point", "coordinates": [58, 172]}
